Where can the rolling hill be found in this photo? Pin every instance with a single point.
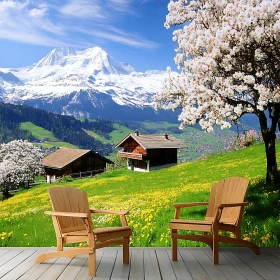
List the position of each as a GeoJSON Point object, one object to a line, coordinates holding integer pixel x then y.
{"type": "Point", "coordinates": [52, 130]}
{"type": "Point", "coordinates": [149, 197]}
{"type": "Point", "coordinates": [39, 126]}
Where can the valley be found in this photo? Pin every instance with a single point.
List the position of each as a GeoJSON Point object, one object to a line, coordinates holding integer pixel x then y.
{"type": "Point", "coordinates": [52, 130]}
{"type": "Point", "coordinates": [198, 143]}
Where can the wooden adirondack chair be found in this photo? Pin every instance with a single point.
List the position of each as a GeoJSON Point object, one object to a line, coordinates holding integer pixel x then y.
{"type": "Point", "coordinates": [72, 221]}
{"type": "Point", "coordinates": [224, 212]}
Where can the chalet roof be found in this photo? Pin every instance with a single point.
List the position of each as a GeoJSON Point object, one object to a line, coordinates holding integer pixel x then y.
{"type": "Point", "coordinates": [64, 156]}
{"type": "Point", "coordinates": [154, 141]}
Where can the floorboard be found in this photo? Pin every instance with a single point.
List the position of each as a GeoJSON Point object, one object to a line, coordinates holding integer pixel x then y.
{"type": "Point", "coordinates": [145, 264]}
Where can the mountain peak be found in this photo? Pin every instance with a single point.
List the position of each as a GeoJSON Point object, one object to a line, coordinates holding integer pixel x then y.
{"type": "Point", "coordinates": [92, 61]}
{"type": "Point", "coordinates": [56, 56]}
{"type": "Point", "coordinates": [94, 50]}
{"type": "Point", "coordinates": [68, 51]}
{"type": "Point", "coordinates": [94, 53]}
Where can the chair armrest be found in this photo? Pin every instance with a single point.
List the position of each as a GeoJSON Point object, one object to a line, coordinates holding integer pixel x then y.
{"type": "Point", "coordinates": [224, 205]}
{"type": "Point", "coordinates": [117, 212]}
{"type": "Point", "coordinates": [220, 208]}
{"type": "Point", "coordinates": [178, 207]}
{"type": "Point", "coordinates": [190, 204]}
{"type": "Point", "coordinates": [67, 214]}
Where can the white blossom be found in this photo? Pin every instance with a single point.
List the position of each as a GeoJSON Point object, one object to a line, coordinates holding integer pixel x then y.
{"type": "Point", "coordinates": [168, 69]}
{"type": "Point", "coordinates": [19, 163]}
{"type": "Point", "coordinates": [224, 54]}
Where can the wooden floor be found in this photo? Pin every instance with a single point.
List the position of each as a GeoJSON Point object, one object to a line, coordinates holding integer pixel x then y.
{"type": "Point", "coordinates": [146, 263]}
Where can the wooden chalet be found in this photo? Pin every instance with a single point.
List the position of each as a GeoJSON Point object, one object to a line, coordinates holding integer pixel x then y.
{"type": "Point", "coordinates": [145, 152]}
{"type": "Point", "coordinates": [67, 161]}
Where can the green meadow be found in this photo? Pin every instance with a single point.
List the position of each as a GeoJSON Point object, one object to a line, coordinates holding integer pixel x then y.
{"type": "Point", "coordinates": [149, 198]}
{"type": "Point", "coordinates": [116, 135]}
{"type": "Point", "coordinates": [41, 133]}
{"type": "Point", "coordinates": [37, 131]}
{"type": "Point", "coordinates": [60, 144]}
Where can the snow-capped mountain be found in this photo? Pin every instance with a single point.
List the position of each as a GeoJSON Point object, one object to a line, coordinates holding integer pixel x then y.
{"type": "Point", "coordinates": [9, 78]}
{"type": "Point", "coordinates": [2, 92]}
{"type": "Point", "coordinates": [94, 60]}
{"type": "Point", "coordinates": [87, 83]}
{"type": "Point", "coordinates": [56, 56]}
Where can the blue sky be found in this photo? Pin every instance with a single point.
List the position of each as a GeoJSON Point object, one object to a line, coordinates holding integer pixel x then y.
{"type": "Point", "coordinates": [129, 30]}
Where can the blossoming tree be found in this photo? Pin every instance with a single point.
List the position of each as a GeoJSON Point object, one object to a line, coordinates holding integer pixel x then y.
{"type": "Point", "coordinates": [19, 163]}
{"type": "Point", "coordinates": [229, 56]}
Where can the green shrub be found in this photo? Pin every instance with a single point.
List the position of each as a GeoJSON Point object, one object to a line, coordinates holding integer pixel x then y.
{"type": "Point", "coordinates": [66, 178]}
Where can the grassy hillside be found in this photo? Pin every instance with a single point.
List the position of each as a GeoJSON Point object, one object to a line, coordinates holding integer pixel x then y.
{"type": "Point", "coordinates": [41, 133]}
{"type": "Point", "coordinates": [118, 133]}
{"type": "Point", "coordinates": [198, 142]}
{"type": "Point", "coordinates": [59, 144]}
{"type": "Point", "coordinates": [37, 131]}
{"type": "Point", "coordinates": [23, 122]}
{"type": "Point", "coordinates": [149, 197]}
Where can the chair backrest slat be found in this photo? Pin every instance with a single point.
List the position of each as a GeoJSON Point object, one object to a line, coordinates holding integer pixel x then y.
{"type": "Point", "coordinates": [211, 203]}
{"type": "Point", "coordinates": [68, 199]}
{"type": "Point", "coordinates": [229, 190]}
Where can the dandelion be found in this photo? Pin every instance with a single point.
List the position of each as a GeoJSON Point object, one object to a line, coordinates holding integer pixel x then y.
{"type": "Point", "coordinates": [263, 239]}
{"type": "Point", "coordinates": [247, 238]}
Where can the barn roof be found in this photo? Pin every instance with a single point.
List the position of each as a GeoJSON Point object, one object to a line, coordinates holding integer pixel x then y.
{"type": "Point", "coordinates": [154, 141]}
{"type": "Point", "coordinates": [64, 156]}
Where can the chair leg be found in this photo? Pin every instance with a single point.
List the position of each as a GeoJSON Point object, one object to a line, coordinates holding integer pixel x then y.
{"type": "Point", "coordinates": [215, 246]}
{"type": "Point", "coordinates": [92, 264]}
{"type": "Point", "coordinates": [174, 246]}
{"type": "Point", "coordinates": [238, 233]}
{"type": "Point", "coordinates": [126, 250]}
{"type": "Point", "coordinates": [91, 255]}
{"type": "Point", "coordinates": [240, 242]}
{"type": "Point", "coordinates": [59, 244]}
{"type": "Point", "coordinates": [71, 253]}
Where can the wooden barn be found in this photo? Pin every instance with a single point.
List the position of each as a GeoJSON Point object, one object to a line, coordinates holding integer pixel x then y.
{"type": "Point", "coordinates": [145, 152]}
{"type": "Point", "coordinates": [67, 161]}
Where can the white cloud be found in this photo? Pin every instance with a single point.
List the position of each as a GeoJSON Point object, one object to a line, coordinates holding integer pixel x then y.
{"type": "Point", "coordinates": [33, 38]}
{"type": "Point", "coordinates": [23, 24]}
{"type": "Point", "coordinates": [9, 5]}
{"type": "Point", "coordinates": [79, 23]}
{"type": "Point", "coordinates": [122, 6]}
{"type": "Point", "coordinates": [83, 9]}
{"type": "Point", "coordinates": [126, 40]}
{"type": "Point", "coordinates": [120, 36]}
{"type": "Point", "coordinates": [37, 12]}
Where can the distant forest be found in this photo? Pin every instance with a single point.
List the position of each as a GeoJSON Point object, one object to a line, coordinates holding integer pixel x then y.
{"type": "Point", "coordinates": [64, 128]}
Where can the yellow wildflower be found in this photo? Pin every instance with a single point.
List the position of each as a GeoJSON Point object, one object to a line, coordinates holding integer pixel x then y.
{"type": "Point", "coordinates": [247, 238]}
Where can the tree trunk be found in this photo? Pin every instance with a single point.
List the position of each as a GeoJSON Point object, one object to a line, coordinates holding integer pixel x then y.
{"type": "Point", "coordinates": [5, 191]}
{"type": "Point", "coordinates": [271, 162]}
{"type": "Point", "coordinates": [269, 138]}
